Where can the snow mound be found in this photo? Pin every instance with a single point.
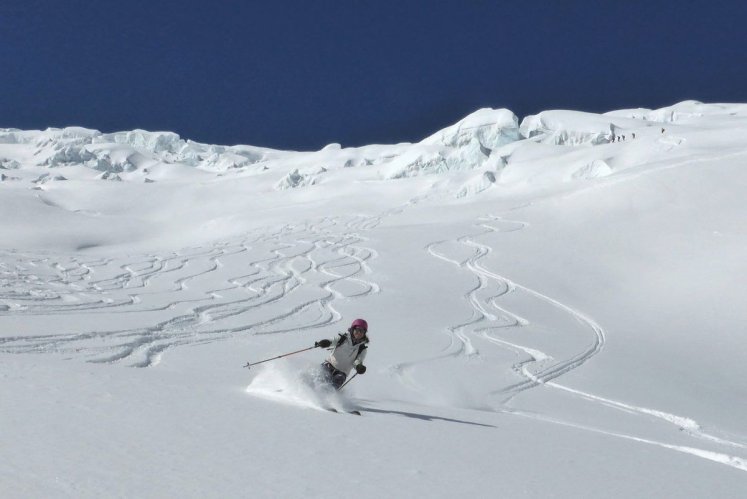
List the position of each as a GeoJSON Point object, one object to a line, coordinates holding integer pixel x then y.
{"type": "Point", "coordinates": [46, 178]}
{"type": "Point", "coordinates": [5, 178]}
{"type": "Point", "coordinates": [466, 145]}
{"type": "Point", "coordinates": [477, 185]}
{"type": "Point", "coordinates": [9, 164]}
{"type": "Point", "coordinates": [296, 179]}
{"type": "Point", "coordinates": [489, 128]}
{"type": "Point", "coordinates": [415, 162]}
{"type": "Point", "coordinates": [596, 169]}
{"type": "Point", "coordinates": [109, 176]}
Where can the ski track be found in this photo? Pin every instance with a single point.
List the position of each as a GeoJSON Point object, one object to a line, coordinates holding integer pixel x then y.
{"type": "Point", "coordinates": [538, 368]}
{"type": "Point", "coordinates": [735, 462]}
{"type": "Point", "coordinates": [274, 280]}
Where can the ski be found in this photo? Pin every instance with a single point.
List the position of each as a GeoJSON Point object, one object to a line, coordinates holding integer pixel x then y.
{"type": "Point", "coordinates": [355, 413]}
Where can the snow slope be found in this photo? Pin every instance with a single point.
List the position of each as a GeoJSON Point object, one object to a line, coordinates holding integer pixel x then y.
{"type": "Point", "coordinates": [553, 313]}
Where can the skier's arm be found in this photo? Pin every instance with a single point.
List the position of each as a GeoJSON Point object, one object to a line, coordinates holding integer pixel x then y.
{"type": "Point", "coordinates": [358, 362]}
{"type": "Point", "coordinates": [334, 341]}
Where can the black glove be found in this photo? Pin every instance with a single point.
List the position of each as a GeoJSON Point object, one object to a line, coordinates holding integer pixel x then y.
{"type": "Point", "coordinates": [360, 369]}
{"type": "Point", "coordinates": [323, 343]}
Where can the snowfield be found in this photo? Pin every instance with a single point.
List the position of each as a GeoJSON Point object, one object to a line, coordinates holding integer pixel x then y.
{"type": "Point", "coordinates": [556, 309]}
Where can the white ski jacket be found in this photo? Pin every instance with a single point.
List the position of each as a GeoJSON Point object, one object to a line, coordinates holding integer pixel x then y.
{"type": "Point", "coordinates": [345, 356]}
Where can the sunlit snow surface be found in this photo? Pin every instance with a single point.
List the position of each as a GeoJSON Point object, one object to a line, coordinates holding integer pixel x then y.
{"type": "Point", "coordinates": [554, 311]}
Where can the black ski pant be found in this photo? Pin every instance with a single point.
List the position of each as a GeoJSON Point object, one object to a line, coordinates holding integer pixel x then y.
{"type": "Point", "coordinates": [335, 377]}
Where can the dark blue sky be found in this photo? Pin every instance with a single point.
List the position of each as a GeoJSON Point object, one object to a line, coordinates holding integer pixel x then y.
{"type": "Point", "coordinates": [299, 75]}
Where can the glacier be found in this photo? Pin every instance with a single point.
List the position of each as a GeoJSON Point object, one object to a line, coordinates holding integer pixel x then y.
{"type": "Point", "coordinates": [552, 297]}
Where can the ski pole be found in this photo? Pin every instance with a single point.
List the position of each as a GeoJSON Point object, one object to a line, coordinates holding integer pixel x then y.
{"type": "Point", "coordinates": [348, 381]}
{"type": "Point", "coordinates": [248, 365]}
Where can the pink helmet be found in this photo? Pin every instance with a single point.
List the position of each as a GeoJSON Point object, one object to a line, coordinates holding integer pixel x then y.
{"type": "Point", "coordinates": [360, 323]}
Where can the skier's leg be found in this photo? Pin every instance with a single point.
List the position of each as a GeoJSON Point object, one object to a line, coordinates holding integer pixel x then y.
{"type": "Point", "coordinates": [338, 379]}
{"type": "Point", "coordinates": [327, 371]}
{"type": "Point", "coordinates": [333, 376]}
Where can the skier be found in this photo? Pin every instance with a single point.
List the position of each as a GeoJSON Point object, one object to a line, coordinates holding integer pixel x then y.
{"type": "Point", "coordinates": [348, 353]}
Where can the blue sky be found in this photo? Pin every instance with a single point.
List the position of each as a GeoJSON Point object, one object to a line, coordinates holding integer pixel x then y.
{"type": "Point", "coordinates": [299, 75]}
